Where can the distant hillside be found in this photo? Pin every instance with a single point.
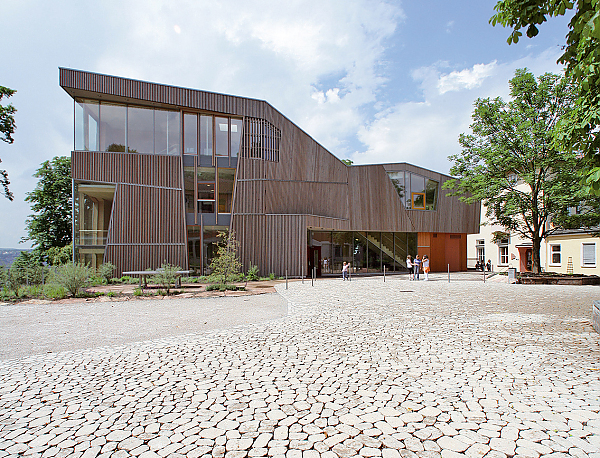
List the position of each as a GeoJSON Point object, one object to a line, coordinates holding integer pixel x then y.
{"type": "Point", "coordinates": [8, 255]}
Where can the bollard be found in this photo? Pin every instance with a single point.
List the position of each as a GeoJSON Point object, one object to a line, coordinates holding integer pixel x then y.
{"type": "Point", "coordinates": [384, 274]}
{"type": "Point", "coordinates": [286, 279]}
{"type": "Point", "coordinates": [312, 278]}
{"type": "Point", "coordinates": [302, 275]}
{"type": "Point", "coordinates": [448, 273]}
{"type": "Point", "coordinates": [484, 276]}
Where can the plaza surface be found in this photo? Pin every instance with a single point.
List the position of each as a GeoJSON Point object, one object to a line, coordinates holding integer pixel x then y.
{"type": "Point", "coordinates": [411, 369]}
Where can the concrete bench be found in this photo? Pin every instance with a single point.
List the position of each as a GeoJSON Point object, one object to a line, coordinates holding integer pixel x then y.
{"type": "Point", "coordinates": [143, 274]}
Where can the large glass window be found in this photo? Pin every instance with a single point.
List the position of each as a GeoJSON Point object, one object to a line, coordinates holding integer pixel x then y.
{"type": "Point", "coordinates": [167, 132]}
{"type": "Point", "coordinates": [140, 129]}
{"type": "Point", "coordinates": [387, 251]}
{"type": "Point", "coordinates": [194, 248]}
{"type": "Point", "coordinates": [374, 252]}
{"type": "Point", "coordinates": [400, 250]}
{"type": "Point", "coordinates": [206, 189]}
{"type": "Point", "coordinates": [342, 249]}
{"type": "Point", "coordinates": [236, 136]}
{"type": "Point", "coordinates": [222, 136]}
{"type": "Point", "coordinates": [360, 252]}
{"type": "Point", "coordinates": [92, 208]}
{"type": "Point", "coordinates": [112, 127]}
{"type": "Point", "coordinates": [87, 117]}
{"type": "Point", "coordinates": [415, 191]}
{"type": "Point", "coordinates": [190, 133]}
{"type": "Point", "coordinates": [206, 135]}
{"type": "Point", "coordinates": [226, 180]}
{"type": "Point", "coordinates": [323, 240]}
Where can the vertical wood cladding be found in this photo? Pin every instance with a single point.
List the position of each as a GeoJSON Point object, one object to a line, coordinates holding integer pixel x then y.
{"type": "Point", "coordinates": [148, 221]}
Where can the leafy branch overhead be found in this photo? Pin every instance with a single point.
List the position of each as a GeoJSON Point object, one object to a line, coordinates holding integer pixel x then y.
{"type": "Point", "coordinates": [581, 56]}
{"type": "Point", "coordinates": [511, 162]}
{"type": "Point", "coordinates": [7, 129]}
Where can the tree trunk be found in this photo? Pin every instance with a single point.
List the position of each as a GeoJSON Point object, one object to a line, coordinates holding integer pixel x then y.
{"type": "Point", "coordinates": [535, 254]}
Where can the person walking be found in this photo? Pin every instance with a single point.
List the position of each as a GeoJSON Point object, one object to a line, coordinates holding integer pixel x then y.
{"type": "Point", "coordinates": [345, 271]}
{"type": "Point", "coordinates": [426, 267]}
{"type": "Point", "coordinates": [409, 266]}
{"type": "Point", "coordinates": [417, 266]}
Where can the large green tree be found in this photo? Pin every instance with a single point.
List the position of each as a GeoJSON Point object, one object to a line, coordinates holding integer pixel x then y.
{"type": "Point", "coordinates": [7, 129]}
{"type": "Point", "coordinates": [512, 165]}
{"type": "Point", "coordinates": [582, 59]}
{"type": "Point", "coordinates": [50, 226]}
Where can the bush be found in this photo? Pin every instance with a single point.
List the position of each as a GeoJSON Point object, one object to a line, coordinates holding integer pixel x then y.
{"type": "Point", "coordinates": [217, 287]}
{"type": "Point", "coordinates": [111, 294]}
{"type": "Point", "coordinates": [225, 266]}
{"type": "Point", "coordinates": [57, 256]}
{"type": "Point", "coordinates": [271, 276]}
{"type": "Point", "coordinates": [105, 272]}
{"type": "Point", "coordinates": [252, 274]}
{"type": "Point", "coordinates": [73, 277]}
{"type": "Point", "coordinates": [137, 292]}
{"type": "Point", "coordinates": [166, 276]}
{"type": "Point", "coordinates": [54, 291]}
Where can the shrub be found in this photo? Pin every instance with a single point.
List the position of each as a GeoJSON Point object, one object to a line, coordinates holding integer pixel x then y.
{"type": "Point", "coordinates": [54, 291]}
{"type": "Point", "coordinates": [252, 274]}
{"type": "Point", "coordinates": [166, 276]}
{"type": "Point", "coordinates": [58, 256]}
{"type": "Point", "coordinates": [73, 277]}
{"type": "Point", "coordinates": [225, 266]}
{"type": "Point", "coordinates": [215, 287]}
{"type": "Point", "coordinates": [105, 272]}
{"type": "Point", "coordinates": [137, 291]}
{"type": "Point", "coordinates": [271, 276]}
{"type": "Point", "coordinates": [111, 294]}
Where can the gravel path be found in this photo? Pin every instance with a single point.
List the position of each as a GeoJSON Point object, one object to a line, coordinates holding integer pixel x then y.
{"type": "Point", "coordinates": [365, 368]}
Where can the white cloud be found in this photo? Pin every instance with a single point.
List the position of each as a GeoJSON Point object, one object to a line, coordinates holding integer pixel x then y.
{"type": "Point", "coordinates": [426, 133]}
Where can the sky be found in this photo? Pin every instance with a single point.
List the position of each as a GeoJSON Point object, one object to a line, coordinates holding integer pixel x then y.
{"type": "Point", "coordinates": [372, 81]}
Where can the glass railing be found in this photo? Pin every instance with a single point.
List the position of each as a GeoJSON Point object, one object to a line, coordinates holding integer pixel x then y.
{"type": "Point", "coordinates": [91, 237]}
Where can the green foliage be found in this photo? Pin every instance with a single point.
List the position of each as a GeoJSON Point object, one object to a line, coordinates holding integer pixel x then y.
{"type": "Point", "coordinates": [225, 266]}
{"type": "Point", "coordinates": [105, 271]}
{"type": "Point", "coordinates": [513, 165]}
{"type": "Point", "coordinates": [7, 128]}
{"type": "Point", "coordinates": [271, 276]}
{"type": "Point", "coordinates": [252, 274]}
{"type": "Point", "coordinates": [111, 294]}
{"type": "Point", "coordinates": [58, 256]}
{"type": "Point", "coordinates": [582, 59]}
{"type": "Point", "coordinates": [50, 226]}
{"type": "Point", "coordinates": [166, 276]}
{"type": "Point", "coordinates": [73, 277]}
{"type": "Point", "coordinates": [137, 292]}
{"type": "Point", "coordinates": [54, 291]}
{"type": "Point", "coordinates": [348, 161]}
{"type": "Point", "coordinates": [221, 287]}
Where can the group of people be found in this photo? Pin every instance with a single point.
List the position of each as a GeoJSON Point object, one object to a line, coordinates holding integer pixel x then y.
{"type": "Point", "coordinates": [484, 266]}
{"type": "Point", "coordinates": [414, 266]}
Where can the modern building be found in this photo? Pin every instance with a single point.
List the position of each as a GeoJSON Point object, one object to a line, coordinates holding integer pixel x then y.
{"type": "Point", "coordinates": [159, 170]}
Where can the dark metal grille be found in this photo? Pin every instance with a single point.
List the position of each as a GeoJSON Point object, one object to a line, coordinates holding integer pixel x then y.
{"type": "Point", "coordinates": [261, 140]}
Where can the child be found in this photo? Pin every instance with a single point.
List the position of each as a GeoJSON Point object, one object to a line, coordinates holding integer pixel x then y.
{"type": "Point", "coordinates": [409, 266]}
{"type": "Point", "coordinates": [426, 267]}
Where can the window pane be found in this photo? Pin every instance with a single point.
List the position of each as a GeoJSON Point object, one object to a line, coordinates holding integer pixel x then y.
{"type": "Point", "coordinates": [417, 183]}
{"type": "Point", "coordinates": [190, 131]}
{"type": "Point", "coordinates": [236, 136]}
{"type": "Point", "coordinates": [374, 254]}
{"type": "Point", "coordinates": [431, 190]}
{"type": "Point", "coordinates": [206, 191]}
{"type": "Point", "coordinates": [206, 174]}
{"type": "Point", "coordinates": [206, 135]}
{"type": "Point", "coordinates": [112, 127]}
{"type": "Point", "coordinates": [167, 131]}
{"type": "Point", "coordinates": [87, 116]}
{"type": "Point", "coordinates": [387, 250]}
{"type": "Point", "coordinates": [360, 252]}
{"type": "Point", "coordinates": [188, 179]}
{"type": "Point", "coordinates": [418, 201]}
{"type": "Point", "coordinates": [140, 129]}
{"type": "Point", "coordinates": [323, 239]}
{"type": "Point", "coordinates": [398, 182]}
{"type": "Point", "coordinates": [206, 206]}
{"type": "Point", "coordinates": [194, 252]}
{"type": "Point", "coordinates": [342, 244]}
{"type": "Point", "coordinates": [400, 241]}
{"type": "Point", "coordinates": [222, 136]}
{"type": "Point", "coordinates": [226, 180]}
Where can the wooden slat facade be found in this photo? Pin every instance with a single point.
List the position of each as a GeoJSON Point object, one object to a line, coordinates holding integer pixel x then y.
{"type": "Point", "coordinates": [277, 197]}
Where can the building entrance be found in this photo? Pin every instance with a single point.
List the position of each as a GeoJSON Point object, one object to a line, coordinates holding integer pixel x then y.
{"type": "Point", "coordinates": [314, 260]}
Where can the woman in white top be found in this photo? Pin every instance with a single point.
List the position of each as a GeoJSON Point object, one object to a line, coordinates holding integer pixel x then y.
{"type": "Point", "coordinates": [409, 266]}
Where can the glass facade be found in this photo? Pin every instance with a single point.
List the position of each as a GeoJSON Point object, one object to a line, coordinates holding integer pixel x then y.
{"type": "Point", "coordinates": [367, 252]}
{"type": "Point", "coordinates": [190, 133]}
{"type": "Point", "coordinates": [226, 180]}
{"type": "Point", "coordinates": [416, 192]}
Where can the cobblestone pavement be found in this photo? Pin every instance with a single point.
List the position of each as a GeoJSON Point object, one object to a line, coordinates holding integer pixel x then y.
{"type": "Point", "coordinates": [411, 369]}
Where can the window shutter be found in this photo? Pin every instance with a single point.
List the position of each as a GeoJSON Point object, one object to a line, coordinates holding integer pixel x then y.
{"type": "Point", "coordinates": [589, 254]}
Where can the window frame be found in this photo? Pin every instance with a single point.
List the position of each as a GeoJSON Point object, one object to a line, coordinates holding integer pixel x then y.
{"type": "Point", "coordinates": [553, 252]}
{"type": "Point", "coordinates": [412, 200]}
{"type": "Point", "coordinates": [583, 264]}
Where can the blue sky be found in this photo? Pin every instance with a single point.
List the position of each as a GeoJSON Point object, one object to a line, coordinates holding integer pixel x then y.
{"type": "Point", "coordinates": [372, 81]}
